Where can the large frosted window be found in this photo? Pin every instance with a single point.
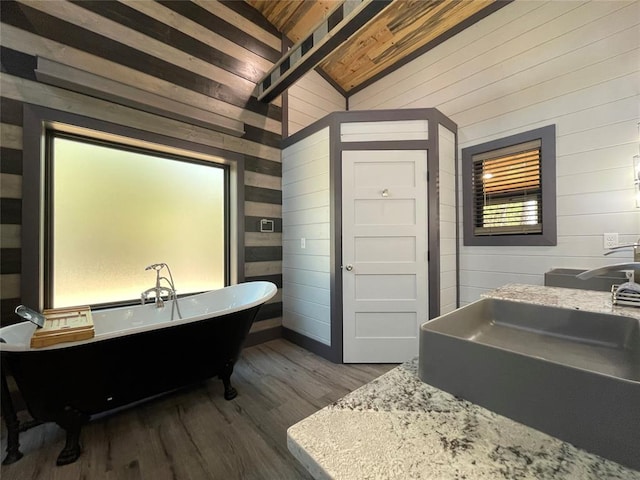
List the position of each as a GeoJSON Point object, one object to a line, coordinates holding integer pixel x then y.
{"type": "Point", "coordinates": [112, 211]}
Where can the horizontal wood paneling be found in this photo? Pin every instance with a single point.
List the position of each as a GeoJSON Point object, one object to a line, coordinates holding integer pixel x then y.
{"type": "Point", "coordinates": [10, 236]}
{"type": "Point", "coordinates": [262, 210]}
{"type": "Point", "coordinates": [257, 269]}
{"type": "Point", "coordinates": [309, 327]}
{"type": "Point", "coordinates": [10, 261]}
{"type": "Point", "coordinates": [206, 36]}
{"type": "Point", "coordinates": [312, 246]}
{"type": "Point", "coordinates": [202, 54]}
{"type": "Point", "coordinates": [310, 99]}
{"type": "Point", "coordinates": [448, 237]}
{"type": "Point", "coordinates": [11, 185]}
{"type": "Point", "coordinates": [260, 165]}
{"type": "Point", "coordinates": [306, 186]}
{"type": "Point", "coordinates": [262, 136]}
{"type": "Point", "coordinates": [17, 63]}
{"type": "Point", "coordinates": [262, 254]}
{"type": "Point", "coordinates": [308, 215]}
{"type": "Point", "coordinates": [304, 168]}
{"type": "Point", "coordinates": [404, 85]}
{"type": "Point", "coordinates": [308, 293]}
{"type": "Point", "coordinates": [575, 65]}
{"type": "Point", "coordinates": [384, 131]}
{"type": "Point", "coordinates": [305, 178]}
{"type": "Point", "coordinates": [199, 12]}
{"type": "Point", "coordinates": [23, 89]}
{"type": "Point", "coordinates": [10, 111]}
{"type": "Point", "coordinates": [306, 277]}
{"type": "Point", "coordinates": [263, 181]}
{"type": "Point", "coordinates": [46, 25]}
{"type": "Point", "coordinates": [10, 286]}
{"type": "Point", "coordinates": [255, 18]}
{"type": "Point", "coordinates": [262, 195]}
{"type": "Point", "coordinates": [10, 135]}
{"type": "Point", "coordinates": [11, 211]}
{"type": "Point", "coordinates": [32, 44]}
{"type": "Point", "coordinates": [60, 99]}
{"type": "Point", "coordinates": [314, 231]}
{"type": "Point", "coordinates": [303, 261]}
{"type": "Point", "coordinates": [10, 160]}
{"type": "Point", "coordinates": [260, 239]}
{"type": "Point", "coordinates": [129, 17]}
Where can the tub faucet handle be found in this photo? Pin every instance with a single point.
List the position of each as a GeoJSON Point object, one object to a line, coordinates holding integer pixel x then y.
{"type": "Point", "coordinates": [156, 266]}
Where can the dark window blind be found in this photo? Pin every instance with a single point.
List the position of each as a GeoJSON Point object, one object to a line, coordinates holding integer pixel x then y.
{"type": "Point", "coordinates": [507, 191]}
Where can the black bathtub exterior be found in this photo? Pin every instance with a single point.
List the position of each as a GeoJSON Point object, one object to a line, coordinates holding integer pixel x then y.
{"type": "Point", "coordinates": [69, 385]}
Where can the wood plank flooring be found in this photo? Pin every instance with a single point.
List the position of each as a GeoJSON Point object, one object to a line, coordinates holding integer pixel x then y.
{"type": "Point", "coordinates": [195, 433]}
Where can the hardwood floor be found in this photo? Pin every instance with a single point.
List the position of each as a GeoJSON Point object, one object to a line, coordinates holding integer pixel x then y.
{"type": "Point", "coordinates": [195, 433]}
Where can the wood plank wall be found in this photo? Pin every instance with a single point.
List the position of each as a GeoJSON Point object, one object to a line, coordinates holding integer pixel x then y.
{"type": "Point", "coordinates": [448, 234]}
{"type": "Point", "coordinates": [208, 54]}
{"type": "Point", "coordinates": [530, 64]}
{"type": "Point", "coordinates": [306, 214]}
{"type": "Point", "coordinates": [310, 99]}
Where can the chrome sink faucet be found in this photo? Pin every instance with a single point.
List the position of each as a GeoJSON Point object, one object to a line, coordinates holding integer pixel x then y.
{"type": "Point", "coordinates": [632, 269]}
{"type": "Point", "coordinates": [159, 290]}
{"type": "Point", "coordinates": [635, 246]}
{"type": "Point", "coordinates": [627, 293]}
{"type": "Point", "coordinates": [629, 267]}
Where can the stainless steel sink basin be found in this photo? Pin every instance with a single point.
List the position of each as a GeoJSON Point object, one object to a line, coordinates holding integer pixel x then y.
{"type": "Point", "coordinates": [569, 373]}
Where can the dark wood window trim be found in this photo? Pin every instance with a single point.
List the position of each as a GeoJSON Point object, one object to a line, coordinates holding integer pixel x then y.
{"type": "Point", "coordinates": [37, 120]}
{"type": "Point", "coordinates": [548, 236]}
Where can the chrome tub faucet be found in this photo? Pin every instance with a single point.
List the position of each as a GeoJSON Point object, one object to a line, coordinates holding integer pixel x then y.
{"type": "Point", "coordinates": [159, 290]}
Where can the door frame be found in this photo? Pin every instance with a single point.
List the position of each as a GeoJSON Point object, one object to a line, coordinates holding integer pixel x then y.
{"type": "Point", "coordinates": [435, 118]}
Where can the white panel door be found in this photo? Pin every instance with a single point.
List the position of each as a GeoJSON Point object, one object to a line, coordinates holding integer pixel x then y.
{"type": "Point", "coordinates": [384, 254]}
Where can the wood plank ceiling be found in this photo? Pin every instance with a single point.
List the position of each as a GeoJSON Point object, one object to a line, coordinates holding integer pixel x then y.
{"type": "Point", "coordinates": [403, 29]}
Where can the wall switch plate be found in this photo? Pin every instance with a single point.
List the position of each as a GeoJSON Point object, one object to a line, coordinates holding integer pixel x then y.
{"type": "Point", "coordinates": [610, 240]}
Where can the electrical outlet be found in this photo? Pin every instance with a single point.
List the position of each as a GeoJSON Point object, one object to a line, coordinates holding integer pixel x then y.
{"type": "Point", "coordinates": [610, 240]}
{"type": "Point", "coordinates": [303, 243]}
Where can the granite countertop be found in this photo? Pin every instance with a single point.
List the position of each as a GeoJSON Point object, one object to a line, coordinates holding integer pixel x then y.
{"type": "Point", "coordinates": [587, 300]}
{"type": "Point", "coordinates": [398, 427]}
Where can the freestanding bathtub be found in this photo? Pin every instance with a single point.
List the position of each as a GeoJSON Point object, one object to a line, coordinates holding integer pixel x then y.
{"type": "Point", "coordinates": [137, 352]}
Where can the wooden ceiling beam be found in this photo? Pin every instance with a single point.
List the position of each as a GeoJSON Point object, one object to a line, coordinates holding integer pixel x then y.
{"type": "Point", "coordinates": [335, 29]}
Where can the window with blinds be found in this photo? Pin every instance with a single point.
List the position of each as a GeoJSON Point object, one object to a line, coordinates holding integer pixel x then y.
{"type": "Point", "coordinates": [509, 190]}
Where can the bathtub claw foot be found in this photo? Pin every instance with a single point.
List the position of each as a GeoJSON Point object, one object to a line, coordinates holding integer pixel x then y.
{"type": "Point", "coordinates": [71, 451]}
{"type": "Point", "coordinates": [68, 455]}
{"type": "Point", "coordinates": [12, 457]}
{"type": "Point", "coordinates": [229, 392]}
{"type": "Point", "coordinates": [71, 421]}
{"type": "Point", "coordinates": [11, 421]}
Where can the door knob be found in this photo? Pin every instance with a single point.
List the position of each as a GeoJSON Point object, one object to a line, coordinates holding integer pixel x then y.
{"type": "Point", "coordinates": [349, 267]}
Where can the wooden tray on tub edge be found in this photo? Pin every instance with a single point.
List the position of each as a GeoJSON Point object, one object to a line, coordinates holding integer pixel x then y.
{"type": "Point", "coordinates": [64, 325]}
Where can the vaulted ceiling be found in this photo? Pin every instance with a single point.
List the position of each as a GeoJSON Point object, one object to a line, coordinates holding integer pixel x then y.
{"type": "Point", "coordinates": [400, 32]}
